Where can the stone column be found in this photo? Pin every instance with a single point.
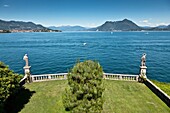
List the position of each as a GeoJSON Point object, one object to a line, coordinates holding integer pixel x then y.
{"type": "Point", "coordinates": [27, 69]}
{"type": "Point", "coordinates": [142, 74]}
{"type": "Point", "coordinates": [120, 77]}
{"type": "Point", "coordinates": [104, 76]}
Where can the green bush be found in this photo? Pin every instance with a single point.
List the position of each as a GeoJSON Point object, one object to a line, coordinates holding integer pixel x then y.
{"type": "Point", "coordinates": [84, 94]}
{"type": "Point", "coordinates": [9, 84]}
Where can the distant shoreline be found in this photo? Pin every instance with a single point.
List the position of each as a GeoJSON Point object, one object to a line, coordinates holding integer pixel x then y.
{"type": "Point", "coordinates": [85, 31]}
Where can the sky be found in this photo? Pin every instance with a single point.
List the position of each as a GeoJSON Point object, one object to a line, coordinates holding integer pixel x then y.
{"type": "Point", "coordinates": [87, 13]}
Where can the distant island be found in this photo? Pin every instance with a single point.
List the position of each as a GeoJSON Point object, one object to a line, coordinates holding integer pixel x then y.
{"type": "Point", "coordinates": [20, 26]}
{"type": "Point", "coordinates": [123, 25]}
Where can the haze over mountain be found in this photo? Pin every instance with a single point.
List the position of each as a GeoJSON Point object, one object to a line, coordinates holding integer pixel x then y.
{"type": "Point", "coordinates": [68, 28]}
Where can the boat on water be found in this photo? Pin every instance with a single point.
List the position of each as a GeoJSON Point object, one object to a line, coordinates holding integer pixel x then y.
{"type": "Point", "coordinates": [84, 44]}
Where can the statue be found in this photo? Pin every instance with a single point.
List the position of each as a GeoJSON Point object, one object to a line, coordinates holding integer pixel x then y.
{"type": "Point", "coordinates": [143, 60]}
{"type": "Point", "coordinates": [27, 76]}
{"type": "Point", "coordinates": [26, 60]}
{"type": "Point", "coordinates": [142, 74]}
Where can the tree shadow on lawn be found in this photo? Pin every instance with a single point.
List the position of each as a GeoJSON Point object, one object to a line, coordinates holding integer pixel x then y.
{"type": "Point", "coordinates": [16, 103]}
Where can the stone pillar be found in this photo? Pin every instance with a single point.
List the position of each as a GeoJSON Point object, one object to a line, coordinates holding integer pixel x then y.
{"type": "Point", "coordinates": [120, 77]}
{"type": "Point", "coordinates": [142, 74]}
{"type": "Point", "coordinates": [65, 76]}
{"type": "Point", "coordinates": [27, 69]}
{"type": "Point", "coordinates": [104, 76]}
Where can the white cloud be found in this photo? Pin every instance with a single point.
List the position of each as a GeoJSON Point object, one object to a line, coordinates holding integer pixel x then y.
{"type": "Point", "coordinates": [6, 5]}
{"type": "Point", "coordinates": [144, 21]}
{"type": "Point", "coordinates": [91, 25]}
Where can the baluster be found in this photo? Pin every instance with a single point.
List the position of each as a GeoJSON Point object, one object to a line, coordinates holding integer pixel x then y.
{"type": "Point", "coordinates": [120, 77]}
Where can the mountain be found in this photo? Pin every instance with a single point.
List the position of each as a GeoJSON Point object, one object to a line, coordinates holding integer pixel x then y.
{"type": "Point", "coordinates": [127, 25]}
{"type": "Point", "coordinates": [162, 26]}
{"type": "Point", "coordinates": [68, 28]}
{"type": "Point", "coordinates": [124, 25]}
{"type": "Point", "coordinates": [19, 25]}
{"type": "Point", "coordinates": [168, 27]}
{"type": "Point", "coordinates": [158, 28]}
{"type": "Point", "coordinates": [52, 27]}
{"type": "Point", "coordinates": [145, 27]}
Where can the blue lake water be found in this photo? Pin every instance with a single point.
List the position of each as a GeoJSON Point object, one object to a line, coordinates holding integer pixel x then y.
{"type": "Point", "coordinates": [117, 52]}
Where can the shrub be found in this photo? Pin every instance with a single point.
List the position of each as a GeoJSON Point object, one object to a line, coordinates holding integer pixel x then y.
{"type": "Point", "coordinates": [84, 94]}
{"type": "Point", "coordinates": [9, 84]}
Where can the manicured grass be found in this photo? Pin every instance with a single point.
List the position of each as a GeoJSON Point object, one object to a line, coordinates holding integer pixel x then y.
{"type": "Point", "coordinates": [131, 97]}
{"type": "Point", "coordinates": [47, 97]}
{"type": "Point", "coordinates": [162, 85]}
{"type": "Point", "coordinates": [120, 97]}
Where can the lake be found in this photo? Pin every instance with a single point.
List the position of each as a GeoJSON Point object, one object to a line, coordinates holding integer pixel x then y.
{"type": "Point", "coordinates": [117, 52]}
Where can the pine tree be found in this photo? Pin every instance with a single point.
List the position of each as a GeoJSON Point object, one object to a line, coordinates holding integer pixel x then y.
{"type": "Point", "coordinates": [84, 94]}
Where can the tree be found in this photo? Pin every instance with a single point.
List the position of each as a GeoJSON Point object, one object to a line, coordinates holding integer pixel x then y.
{"type": "Point", "coordinates": [9, 84]}
{"type": "Point", "coordinates": [84, 94]}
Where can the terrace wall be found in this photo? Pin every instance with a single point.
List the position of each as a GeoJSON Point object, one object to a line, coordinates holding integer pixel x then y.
{"type": "Point", "coordinates": [163, 96]}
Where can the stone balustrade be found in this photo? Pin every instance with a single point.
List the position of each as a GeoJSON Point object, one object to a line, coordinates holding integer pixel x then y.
{"type": "Point", "coordinates": [161, 94]}
{"type": "Point", "coordinates": [63, 76]}
{"type": "Point", "coordinates": [127, 77]}
{"type": "Point", "coordinates": [47, 77]}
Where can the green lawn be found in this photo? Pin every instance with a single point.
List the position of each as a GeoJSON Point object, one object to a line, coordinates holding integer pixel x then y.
{"type": "Point", "coordinates": [120, 97]}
